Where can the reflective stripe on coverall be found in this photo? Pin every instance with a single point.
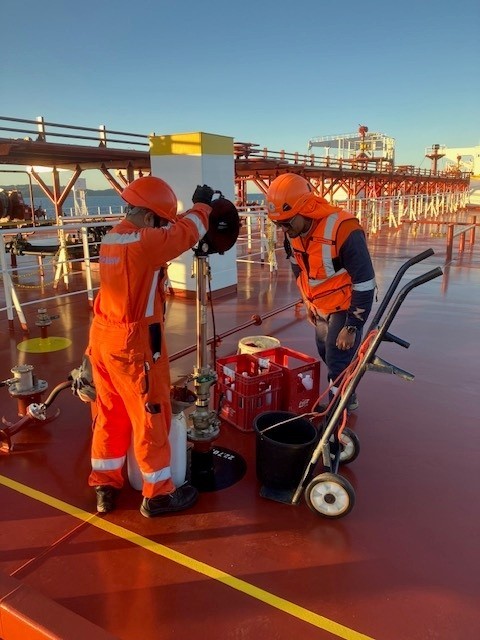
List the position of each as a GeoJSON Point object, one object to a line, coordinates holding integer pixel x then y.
{"type": "Point", "coordinates": [127, 349]}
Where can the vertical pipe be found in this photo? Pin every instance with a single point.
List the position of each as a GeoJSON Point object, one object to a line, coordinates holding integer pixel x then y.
{"type": "Point", "coordinates": [30, 191]}
{"type": "Point", "coordinates": [449, 242]}
{"type": "Point", "coordinates": [88, 268]}
{"type": "Point", "coordinates": [473, 220]}
{"type": "Point", "coordinates": [261, 223]}
{"type": "Point", "coordinates": [6, 286]}
{"type": "Point", "coordinates": [202, 271]}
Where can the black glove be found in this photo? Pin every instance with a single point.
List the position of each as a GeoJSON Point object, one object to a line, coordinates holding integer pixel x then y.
{"type": "Point", "coordinates": [202, 194]}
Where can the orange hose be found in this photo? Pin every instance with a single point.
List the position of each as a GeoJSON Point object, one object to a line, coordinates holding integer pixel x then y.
{"type": "Point", "coordinates": [342, 381]}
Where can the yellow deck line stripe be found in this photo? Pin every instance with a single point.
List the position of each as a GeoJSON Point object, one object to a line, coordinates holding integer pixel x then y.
{"type": "Point", "coordinates": [286, 606]}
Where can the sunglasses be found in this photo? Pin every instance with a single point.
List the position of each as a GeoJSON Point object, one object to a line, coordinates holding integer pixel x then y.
{"type": "Point", "coordinates": [285, 224]}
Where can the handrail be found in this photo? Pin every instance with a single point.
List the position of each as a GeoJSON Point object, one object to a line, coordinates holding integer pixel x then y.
{"type": "Point", "coordinates": [241, 150]}
{"type": "Point", "coordinates": [373, 165]}
{"type": "Point", "coordinates": [255, 320]}
{"type": "Point", "coordinates": [451, 234]}
{"type": "Point", "coordinates": [39, 129]}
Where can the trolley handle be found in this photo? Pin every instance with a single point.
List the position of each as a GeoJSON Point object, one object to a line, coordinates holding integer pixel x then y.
{"type": "Point", "coordinates": [389, 337]}
{"type": "Point", "coordinates": [391, 289]}
{"type": "Point", "coordinates": [425, 277]}
{"type": "Point", "coordinates": [416, 282]}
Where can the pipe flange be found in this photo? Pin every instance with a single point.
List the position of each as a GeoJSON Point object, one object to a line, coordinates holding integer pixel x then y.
{"type": "Point", "coordinates": [40, 386]}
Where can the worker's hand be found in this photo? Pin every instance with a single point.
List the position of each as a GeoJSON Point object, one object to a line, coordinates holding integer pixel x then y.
{"type": "Point", "coordinates": [82, 381]}
{"type": "Point", "coordinates": [202, 194]}
{"type": "Point", "coordinates": [345, 340]}
{"type": "Point", "coordinates": [312, 316]}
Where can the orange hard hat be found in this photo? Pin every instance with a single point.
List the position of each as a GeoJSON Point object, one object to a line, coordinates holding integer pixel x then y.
{"type": "Point", "coordinates": [154, 194]}
{"type": "Point", "coordinates": [287, 195]}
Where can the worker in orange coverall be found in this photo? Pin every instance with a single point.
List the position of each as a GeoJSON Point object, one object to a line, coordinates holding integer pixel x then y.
{"type": "Point", "coordinates": [127, 346]}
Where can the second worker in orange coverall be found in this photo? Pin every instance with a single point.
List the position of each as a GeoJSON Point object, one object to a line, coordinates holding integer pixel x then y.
{"type": "Point", "coordinates": [127, 346]}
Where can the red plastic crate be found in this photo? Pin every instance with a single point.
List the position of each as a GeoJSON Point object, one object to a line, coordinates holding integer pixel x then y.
{"type": "Point", "coordinates": [244, 389]}
{"type": "Point", "coordinates": [294, 397]}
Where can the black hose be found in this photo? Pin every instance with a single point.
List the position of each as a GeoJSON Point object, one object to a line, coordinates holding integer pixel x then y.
{"type": "Point", "coordinates": [54, 393]}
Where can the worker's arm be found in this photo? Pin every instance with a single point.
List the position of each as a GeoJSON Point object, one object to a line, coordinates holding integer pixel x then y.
{"type": "Point", "coordinates": [355, 258]}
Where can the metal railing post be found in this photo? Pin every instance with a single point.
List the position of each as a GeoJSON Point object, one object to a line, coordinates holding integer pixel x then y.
{"type": "Point", "coordinates": [86, 262]}
{"type": "Point", "coordinates": [449, 242]}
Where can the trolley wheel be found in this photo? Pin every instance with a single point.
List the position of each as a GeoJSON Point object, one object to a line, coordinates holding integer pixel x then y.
{"type": "Point", "coordinates": [330, 495]}
{"type": "Point", "coordinates": [349, 446]}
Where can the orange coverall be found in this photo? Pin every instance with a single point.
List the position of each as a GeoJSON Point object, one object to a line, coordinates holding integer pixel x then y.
{"type": "Point", "coordinates": [127, 349]}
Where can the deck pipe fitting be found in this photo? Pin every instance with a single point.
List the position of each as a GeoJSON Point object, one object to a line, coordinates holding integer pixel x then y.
{"type": "Point", "coordinates": [25, 387]}
{"type": "Point", "coordinates": [43, 321]}
{"type": "Point", "coordinates": [205, 421]}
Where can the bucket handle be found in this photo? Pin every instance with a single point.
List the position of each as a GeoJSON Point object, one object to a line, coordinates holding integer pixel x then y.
{"type": "Point", "coordinates": [311, 414]}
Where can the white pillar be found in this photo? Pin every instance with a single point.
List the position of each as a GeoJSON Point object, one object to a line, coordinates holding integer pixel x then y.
{"type": "Point", "coordinates": [184, 160]}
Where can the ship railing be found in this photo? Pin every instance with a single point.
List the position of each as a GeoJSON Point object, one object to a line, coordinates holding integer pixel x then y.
{"type": "Point", "coordinates": [259, 239]}
{"type": "Point", "coordinates": [64, 246]}
{"type": "Point", "coordinates": [354, 164]}
{"type": "Point", "coordinates": [461, 232]}
{"type": "Point", "coordinates": [73, 239]}
{"type": "Point", "coordinates": [41, 130]}
{"type": "Point", "coordinates": [392, 211]}
{"type": "Point", "coordinates": [115, 210]}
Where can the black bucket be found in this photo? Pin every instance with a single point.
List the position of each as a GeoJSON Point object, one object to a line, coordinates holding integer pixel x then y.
{"type": "Point", "coordinates": [283, 452]}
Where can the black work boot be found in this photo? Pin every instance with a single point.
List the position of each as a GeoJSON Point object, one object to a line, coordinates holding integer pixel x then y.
{"type": "Point", "coordinates": [106, 498]}
{"type": "Point", "coordinates": [182, 498]}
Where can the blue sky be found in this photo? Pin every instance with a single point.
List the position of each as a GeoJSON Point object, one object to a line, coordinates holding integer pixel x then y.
{"type": "Point", "coordinates": [272, 72]}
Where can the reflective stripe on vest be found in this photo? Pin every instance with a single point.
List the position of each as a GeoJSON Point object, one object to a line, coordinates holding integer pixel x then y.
{"type": "Point", "coordinates": [328, 249]}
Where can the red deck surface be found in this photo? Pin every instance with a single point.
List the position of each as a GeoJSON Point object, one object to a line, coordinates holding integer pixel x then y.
{"type": "Point", "coordinates": [402, 565]}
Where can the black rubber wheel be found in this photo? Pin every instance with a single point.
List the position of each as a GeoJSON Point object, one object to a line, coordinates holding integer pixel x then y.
{"type": "Point", "coordinates": [349, 446]}
{"type": "Point", "coordinates": [330, 495]}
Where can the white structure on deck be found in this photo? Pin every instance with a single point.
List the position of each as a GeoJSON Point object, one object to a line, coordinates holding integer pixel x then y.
{"type": "Point", "coordinates": [468, 158]}
{"type": "Point", "coordinates": [185, 160]}
{"type": "Point", "coordinates": [80, 197]}
{"type": "Point", "coordinates": [363, 144]}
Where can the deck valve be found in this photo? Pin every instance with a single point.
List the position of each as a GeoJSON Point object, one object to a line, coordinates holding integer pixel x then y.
{"type": "Point", "coordinates": [25, 387]}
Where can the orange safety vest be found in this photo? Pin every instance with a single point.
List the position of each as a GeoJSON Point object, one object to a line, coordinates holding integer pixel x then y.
{"type": "Point", "coordinates": [321, 282]}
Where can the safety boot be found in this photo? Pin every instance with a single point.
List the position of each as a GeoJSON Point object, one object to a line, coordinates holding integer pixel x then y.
{"type": "Point", "coordinates": [106, 498]}
{"type": "Point", "coordinates": [182, 498]}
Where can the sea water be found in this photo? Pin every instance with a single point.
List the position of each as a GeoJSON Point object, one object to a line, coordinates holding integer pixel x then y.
{"type": "Point", "coordinates": [96, 205]}
{"type": "Point", "coordinates": [103, 204]}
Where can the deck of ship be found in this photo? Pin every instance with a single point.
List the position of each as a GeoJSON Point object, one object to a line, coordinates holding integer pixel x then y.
{"type": "Point", "coordinates": [402, 565]}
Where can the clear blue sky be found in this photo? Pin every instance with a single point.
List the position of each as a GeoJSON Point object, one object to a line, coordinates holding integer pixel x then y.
{"type": "Point", "coordinates": [273, 72]}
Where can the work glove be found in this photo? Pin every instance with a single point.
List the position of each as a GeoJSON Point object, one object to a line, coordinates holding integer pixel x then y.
{"type": "Point", "coordinates": [202, 194]}
{"type": "Point", "coordinates": [82, 381]}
